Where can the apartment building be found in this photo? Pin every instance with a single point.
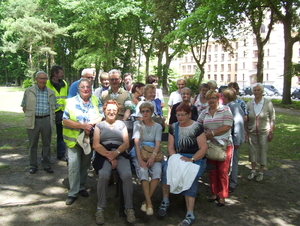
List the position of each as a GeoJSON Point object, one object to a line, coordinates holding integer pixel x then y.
{"type": "Point", "coordinates": [241, 66]}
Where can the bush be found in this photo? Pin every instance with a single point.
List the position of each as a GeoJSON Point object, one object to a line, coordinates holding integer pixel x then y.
{"type": "Point", "coordinates": [27, 83]}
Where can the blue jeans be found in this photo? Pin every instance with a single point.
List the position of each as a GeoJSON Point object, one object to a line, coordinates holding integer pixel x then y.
{"type": "Point", "coordinates": [79, 163]}
{"type": "Point", "coordinates": [192, 191]}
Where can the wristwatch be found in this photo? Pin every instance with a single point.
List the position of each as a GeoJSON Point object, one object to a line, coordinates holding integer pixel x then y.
{"type": "Point", "coordinates": [193, 160]}
{"type": "Point", "coordinates": [118, 152]}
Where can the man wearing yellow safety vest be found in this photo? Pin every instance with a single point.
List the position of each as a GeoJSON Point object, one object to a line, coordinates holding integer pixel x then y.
{"type": "Point", "coordinates": [60, 87]}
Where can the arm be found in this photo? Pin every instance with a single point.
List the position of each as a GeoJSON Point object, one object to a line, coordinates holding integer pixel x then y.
{"type": "Point", "coordinates": [171, 147]}
{"type": "Point", "coordinates": [96, 143]}
{"type": "Point", "coordinates": [126, 115]}
{"type": "Point", "coordinates": [217, 132]}
{"type": "Point", "coordinates": [202, 144]}
{"type": "Point", "coordinates": [77, 125]}
{"type": "Point", "coordinates": [272, 122]}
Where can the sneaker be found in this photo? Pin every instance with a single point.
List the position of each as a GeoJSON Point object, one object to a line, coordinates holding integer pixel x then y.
{"type": "Point", "coordinates": [163, 209]}
{"type": "Point", "coordinates": [130, 215]}
{"type": "Point", "coordinates": [143, 207]}
{"type": "Point", "coordinates": [260, 177]}
{"type": "Point", "coordinates": [252, 175]}
{"type": "Point", "coordinates": [100, 216]}
{"type": "Point", "coordinates": [149, 211]}
{"type": "Point", "coordinates": [187, 221]}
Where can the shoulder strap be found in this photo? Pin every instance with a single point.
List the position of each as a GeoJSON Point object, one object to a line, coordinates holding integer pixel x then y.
{"type": "Point", "coordinates": [141, 131]}
{"type": "Point", "coordinates": [176, 135]}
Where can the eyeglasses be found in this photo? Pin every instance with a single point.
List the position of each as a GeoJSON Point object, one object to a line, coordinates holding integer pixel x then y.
{"type": "Point", "coordinates": [92, 77]}
{"type": "Point", "coordinates": [114, 79]}
{"type": "Point", "coordinates": [84, 87]}
{"type": "Point", "coordinates": [181, 115]}
{"type": "Point", "coordinates": [145, 111]}
{"type": "Point", "coordinates": [212, 98]}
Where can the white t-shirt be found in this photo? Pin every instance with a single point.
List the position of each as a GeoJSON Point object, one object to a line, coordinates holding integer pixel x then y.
{"type": "Point", "coordinates": [175, 98]}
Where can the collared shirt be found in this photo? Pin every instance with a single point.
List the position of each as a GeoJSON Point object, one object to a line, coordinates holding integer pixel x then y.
{"type": "Point", "coordinates": [257, 107]}
{"type": "Point", "coordinates": [85, 112]}
{"type": "Point", "coordinates": [42, 103]}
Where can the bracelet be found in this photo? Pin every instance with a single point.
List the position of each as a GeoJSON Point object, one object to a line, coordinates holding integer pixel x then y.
{"type": "Point", "coordinates": [118, 152]}
{"type": "Point", "coordinates": [154, 153]}
{"type": "Point", "coordinates": [212, 132]}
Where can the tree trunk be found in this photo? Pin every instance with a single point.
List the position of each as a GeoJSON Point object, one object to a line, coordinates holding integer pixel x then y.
{"type": "Point", "coordinates": [288, 52]}
{"type": "Point", "coordinates": [260, 61]}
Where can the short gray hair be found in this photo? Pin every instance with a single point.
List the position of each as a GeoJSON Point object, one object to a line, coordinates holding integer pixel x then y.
{"type": "Point", "coordinates": [147, 104]}
{"type": "Point", "coordinates": [213, 83]}
{"type": "Point", "coordinates": [258, 84]}
{"type": "Point", "coordinates": [186, 88]}
{"type": "Point", "coordinates": [40, 72]}
{"type": "Point", "coordinates": [87, 70]}
{"type": "Point", "coordinates": [114, 71]}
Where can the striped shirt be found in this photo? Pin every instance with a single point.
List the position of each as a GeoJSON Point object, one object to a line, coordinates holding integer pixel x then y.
{"type": "Point", "coordinates": [222, 117]}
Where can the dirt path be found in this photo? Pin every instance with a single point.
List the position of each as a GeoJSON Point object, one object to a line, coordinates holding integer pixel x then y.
{"type": "Point", "coordinates": [39, 199]}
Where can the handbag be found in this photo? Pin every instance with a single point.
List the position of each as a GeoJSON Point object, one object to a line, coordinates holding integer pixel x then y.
{"type": "Point", "coordinates": [147, 151]}
{"type": "Point", "coordinates": [216, 151]}
{"type": "Point", "coordinates": [160, 120]}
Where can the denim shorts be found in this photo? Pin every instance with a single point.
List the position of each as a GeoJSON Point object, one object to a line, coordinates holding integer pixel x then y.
{"type": "Point", "coordinates": [192, 191]}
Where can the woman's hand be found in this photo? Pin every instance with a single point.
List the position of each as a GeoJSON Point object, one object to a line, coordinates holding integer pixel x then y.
{"type": "Point", "coordinates": [151, 160]}
{"type": "Point", "coordinates": [111, 155]}
{"type": "Point", "coordinates": [142, 163]}
{"type": "Point", "coordinates": [209, 135]}
{"type": "Point", "coordinates": [87, 126]}
{"type": "Point", "coordinates": [185, 159]}
{"type": "Point", "coordinates": [114, 163]}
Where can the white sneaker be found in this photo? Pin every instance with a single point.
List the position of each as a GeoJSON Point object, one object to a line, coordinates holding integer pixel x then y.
{"type": "Point", "coordinates": [260, 176]}
{"type": "Point", "coordinates": [252, 175]}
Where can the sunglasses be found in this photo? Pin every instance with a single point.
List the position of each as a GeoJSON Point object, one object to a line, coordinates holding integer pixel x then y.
{"type": "Point", "coordinates": [181, 115]}
{"type": "Point", "coordinates": [145, 111]}
{"type": "Point", "coordinates": [114, 79]}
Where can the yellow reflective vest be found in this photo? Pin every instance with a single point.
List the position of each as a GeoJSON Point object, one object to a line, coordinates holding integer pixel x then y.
{"type": "Point", "coordinates": [61, 96]}
{"type": "Point", "coordinates": [70, 134]}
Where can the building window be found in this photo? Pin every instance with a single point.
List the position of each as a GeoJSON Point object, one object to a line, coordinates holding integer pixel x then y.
{"type": "Point", "coordinates": [235, 67]}
{"type": "Point", "coordinates": [255, 53]}
{"type": "Point", "coordinates": [189, 68]}
{"type": "Point", "coordinates": [195, 68]}
{"type": "Point", "coordinates": [186, 59]}
{"type": "Point", "coordinates": [254, 65]}
{"type": "Point", "coordinates": [236, 56]}
{"type": "Point", "coordinates": [192, 59]}
{"type": "Point", "coordinates": [216, 48]}
{"type": "Point", "coordinates": [209, 48]}
{"type": "Point", "coordinates": [209, 58]}
{"type": "Point", "coordinates": [215, 67]}
{"type": "Point", "coordinates": [222, 57]}
{"type": "Point", "coordinates": [209, 68]}
{"type": "Point", "coordinates": [235, 77]}
{"type": "Point", "coordinates": [208, 76]}
{"type": "Point", "coordinates": [228, 78]}
{"type": "Point", "coordinates": [183, 68]}
{"type": "Point", "coordinates": [216, 57]}
{"type": "Point", "coordinates": [268, 52]}
{"type": "Point", "coordinates": [215, 77]}
{"type": "Point", "coordinates": [222, 67]}
{"type": "Point", "coordinates": [245, 53]}
{"type": "Point", "coordinates": [236, 45]}
{"type": "Point", "coordinates": [243, 65]}
{"type": "Point", "coordinates": [254, 41]}
{"type": "Point", "coordinates": [267, 64]}
{"type": "Point", "coordinates": [267, 77]}
{"type": "Point", "coordinates": [222, 77]}
{"type": "Point", "coordinates": [229, 67]}
{"type": "Point", "coordinates": [245, 42]}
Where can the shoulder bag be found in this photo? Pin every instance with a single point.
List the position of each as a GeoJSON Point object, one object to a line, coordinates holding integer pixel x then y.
{"type": "Point", "coordinates": [216, 151]}
{"type": "Point", "coordinates": [147, 151]}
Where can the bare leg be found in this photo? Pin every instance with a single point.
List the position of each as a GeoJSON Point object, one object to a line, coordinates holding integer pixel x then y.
{"type": "Point", "coordinates": [190, 203]}
{"type": "Point", "coordinates": [261, 169]}
{"type": "Point", "coordinates": [153, 185]}
{"type": "Point", "coordinates": [165, 190]}
{"type": "Point", "coordinates": [146, 190]}
{"type": "Point", "coordinates": [253, 165]}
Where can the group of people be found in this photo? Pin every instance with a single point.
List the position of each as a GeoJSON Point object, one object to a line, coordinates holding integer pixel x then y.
{"type": "Point", "coordinates": [99, 117]}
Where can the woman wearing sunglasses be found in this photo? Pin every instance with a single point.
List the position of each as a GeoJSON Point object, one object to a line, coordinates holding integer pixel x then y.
{"type": "Point", "coordinates": [147, 132]}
